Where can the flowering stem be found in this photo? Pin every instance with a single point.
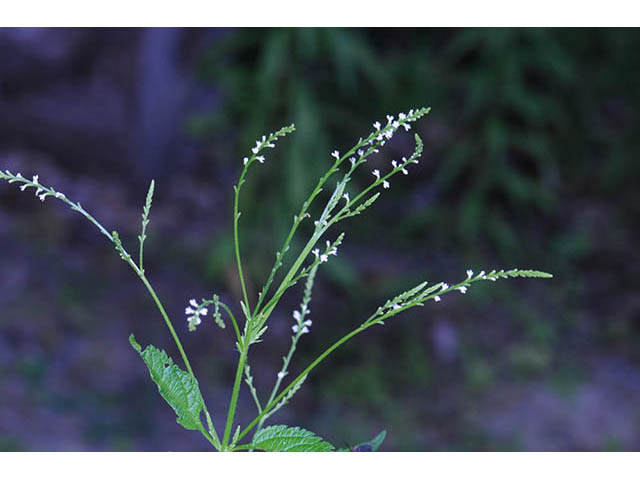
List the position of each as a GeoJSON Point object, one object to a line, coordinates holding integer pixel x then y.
{"type": "Point", "coordinates": [124, 255]}
{"type": "Point", "coordinates": [236, 216]}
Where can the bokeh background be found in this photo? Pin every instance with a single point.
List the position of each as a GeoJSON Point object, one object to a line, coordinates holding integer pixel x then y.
{"type": "Point", "coordinates": [531, 160]}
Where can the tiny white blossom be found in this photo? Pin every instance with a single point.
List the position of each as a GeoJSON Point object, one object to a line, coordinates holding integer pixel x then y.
{"type": "Point", "coordinates": [395, 306]}
{"type": "Point", "coordinates": [24, 187]}
{"type": "Point", "coordinates": [376, 173]}
{"type": "Point", "coordinates": [360, 152]}
{"type": "Point", "coordinates": [295, 329]}
{"type": "Point", "coordinates": [35, 179]}
{"type": "Point", "coordinates": [469, 274]}
{"type": "Point", "coordinates": [260, 158]}
{"type": "Point", "coordinates": [482, 275]}
{"type": "Point", "coordinates": [316, 252]}
{"type": "Point", "coordinates": [394, 164]}
{"type": "Point", "coordinates": [444, 286]}
{"type": "Point", "coordinates": [324, 258]}
{"type": "Point", "coordinates": [245, 160]}
{"type": "Point", "coordinates": [376, 125]}
{"type": "Point", "coordinates": [305, 330]}
{"type": "Point", "coordinates": [336, 154]}
{"type": "Point", "coordinates": [462, 289]}
{"type": "Point", "coordinates": [194, 312]}
{"type": "Point", "coordinates": [405, 171]}
{"type": "Point", "coordinates": [385, 184]}
{"type": "Point", "coordinates": [402, 116]}
{"type": "Point", "coordinates": [308, 323]}
{"type": "Point", "coordinates": [437, 298]}
{"type": "Point", "coordinates": [353, 161]}
{"type": "Point", "coordinates": [346, 197]}
{"type": "Point", "coordinates": [296, 315]}
{"type": "Point", "coordinates": [281, 375]}
{"type": "Point", "coordinates": [389, 118]}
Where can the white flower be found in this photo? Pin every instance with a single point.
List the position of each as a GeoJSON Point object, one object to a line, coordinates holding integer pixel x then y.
{"type": "Point", "coordinates": [405, 171]}
{"type": "Point", "coordinates": [437, 298]}
{"type": "Point", "coordinates": [295, 329]}
{"type": "Point", "coordinates": [194, 312]}
{"type": "Point", "coordinates": [444, 286]}
{"type": "Point", "coordinates": [281, 375]}
{"type": "Point", "coordinates": [308, 323]}
{"type": "Point", "coordinates": [24, 187]}
{"type": "Point", "coordinates": [296, 315]}
{"type": "Point", "coordinates": [35, 179]}
{"type": "Point", "coordinates": [316, 252]}
{"type": "Point", "coordinates": [353, 161]}
{"type": "Point", "coordinates": [376, 173]}
{"type": "Point", "coordinates": [389, 118]}
{"type": "Point", "coordinates": [401, 116]}
{"type": "Point", "coordinates": [60, 195]}
{"type": "Point", "coordinates": [245, 160]}
{"type": "Point", "coordinates": [360, 152]}
{"type": "Point", "coordinates": [482, 275]}
{"type": "Point", "coordinates": [462, 289]}
{"type": "Point", "coordinates": [395, 306]}
{"type": "Point", "coordinates": [260, 158]}
{"type": "Point", "coordinates": [376, 125]}
{"type": "Point", "coordinates": [346, 197]}
{"type": "Point", "coordinates": [323, 258]}
{"type": "Point", "coordinates": [336, 154]}
{"type": "Point", "coordinates": [394, 164]}
{"type": "Point", "coordinates": [469, 274]}
{"type": "Point", "coordinates": [385, 184]}
{"type": "Point", "coordinates": [305, 330]}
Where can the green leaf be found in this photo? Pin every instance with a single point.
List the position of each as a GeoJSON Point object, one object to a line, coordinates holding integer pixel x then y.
{"type": "Point", "coordinates": [370, 446]}
{"type": "Point", "coordinates": [280, 438]}
{"type": "Point", "coordinates": [176, 386]}
{"type": "Point", "coordinates": [374, 443]}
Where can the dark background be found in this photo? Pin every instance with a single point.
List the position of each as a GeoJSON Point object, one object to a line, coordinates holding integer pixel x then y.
{"type": "Point", "coordinates": [531, 161]}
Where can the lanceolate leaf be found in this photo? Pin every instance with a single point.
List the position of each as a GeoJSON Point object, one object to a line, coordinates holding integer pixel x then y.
{"type": "Point", "coordinates": [280, 438]}
{"type": "Point", "coordinates": [178, 388]}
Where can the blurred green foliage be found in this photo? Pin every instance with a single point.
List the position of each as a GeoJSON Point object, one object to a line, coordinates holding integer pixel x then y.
{"type": "Point", "coordinates": [515, 123]}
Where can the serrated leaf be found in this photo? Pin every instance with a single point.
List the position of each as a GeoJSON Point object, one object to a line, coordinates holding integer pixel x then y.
{"type": "Point", "coordinates": [281, 438]}
{"type": "Point", "coordinates": [176, 386]}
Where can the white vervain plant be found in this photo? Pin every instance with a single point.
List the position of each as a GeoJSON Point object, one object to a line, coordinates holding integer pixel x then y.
{"type": "Point", "coordinates": [180, 388]}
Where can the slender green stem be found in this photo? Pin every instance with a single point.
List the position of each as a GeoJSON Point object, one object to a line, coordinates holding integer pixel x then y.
{"type": "Point", "coordinates": [236, 241]}
{"type": "Point", "coordinates": [233, 321]}
{"type": "Point", "coordinates": [234, 394]}
{"type": "Point", "coordinates": [165, 317]}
